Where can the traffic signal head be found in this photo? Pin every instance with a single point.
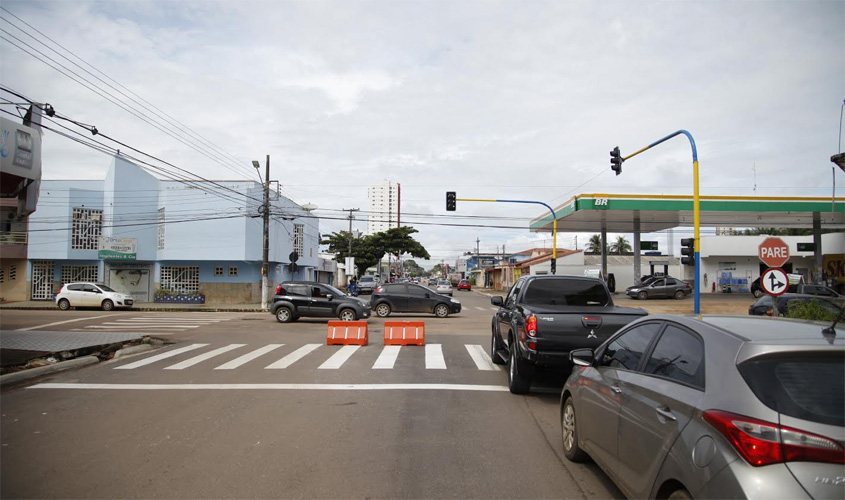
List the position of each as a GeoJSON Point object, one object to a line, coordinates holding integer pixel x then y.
{"type": "Point", "coordinates": [451, 201]}
{"type": "Point", "coordinates": [616, 160]}
{"type": "Point", "coordinates": [688, 251]}
{"type": "Point", "coordinates": [554, 266]}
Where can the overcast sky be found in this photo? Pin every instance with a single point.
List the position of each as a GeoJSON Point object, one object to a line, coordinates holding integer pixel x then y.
{"type": "Point", "coordinates": [504, 100]}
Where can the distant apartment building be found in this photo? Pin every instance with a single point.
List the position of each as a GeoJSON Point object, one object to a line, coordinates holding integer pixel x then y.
{"type": "Point", "coordinates": [384, 211]}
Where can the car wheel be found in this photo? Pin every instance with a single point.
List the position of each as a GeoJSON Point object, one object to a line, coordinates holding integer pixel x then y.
{"type": "Point", "coordinates": [680, 494]}
{"type": "Point", "coordinates": [495, 357]}
{"type": "Point", "coordinates": [107, 305]}
{"type": "Point", "coordinates": [441, 310]}
{"type": "Point", "coordinates": [383, 310]}
{"type": "Point", "coordinates": [757, 293]}
{"type": "Point", "coordinates": [569, 433]}
{"type": "Point", "coordinates": [679, 294]}
{"type": "Point", "coordinates": [64, 304]}
{"type": "Point", "coordinates": [348, 315]}
{"type": "Point", "coordinates": [518, 380]}
{"type": "Point", "coordinates": [642, 295]}
{"type": "Point", "coordinates": [284, 315]}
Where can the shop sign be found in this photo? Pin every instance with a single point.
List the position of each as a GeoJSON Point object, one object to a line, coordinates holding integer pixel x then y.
{"type": "Point", "coordinates": [117, 248]}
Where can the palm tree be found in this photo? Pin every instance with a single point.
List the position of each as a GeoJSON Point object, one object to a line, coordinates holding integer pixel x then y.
{"type": "Point", "coordinates": [620, 246]}
{"type": "Point", "coordinates": [594, 245]}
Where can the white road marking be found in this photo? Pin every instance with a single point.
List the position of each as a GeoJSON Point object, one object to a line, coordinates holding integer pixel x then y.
{"type": "Point", "coordinates": [202, 357]}
{"type": "Point", "coordinates": [168, 320]}
{"type": "Point", "coordinates": [434, 357]}
{"type": "Point", "coordinates": [482, 308]}
{"type": "Point", "coordinates": [293, 357]}
{"type": "Point", "coordinates": [387, 358]}
{"type": "Point", "coordinates": [153, 359]}
{"type": "Point", "coordinates": [246, 358]}
{"type": "Point", "coordinates": [481, 359]}
{"type": "Point", "coordinates": [276, 387]}
{"type": "Point", "coordinates": [340, 357]}
{"type": "Point", "coordinates": [56, 323]}
{"type": "Point", "coordinates": [111, 326]}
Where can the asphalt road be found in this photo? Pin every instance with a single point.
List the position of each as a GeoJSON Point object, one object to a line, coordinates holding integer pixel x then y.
{"type": "Point", "coordinates": [276, 413]}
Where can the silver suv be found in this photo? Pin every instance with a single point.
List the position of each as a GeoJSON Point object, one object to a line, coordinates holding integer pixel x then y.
{"type": "Point", "coordinates": [712, 407]}
{"type": "Point", "coordinates": [366, 284]}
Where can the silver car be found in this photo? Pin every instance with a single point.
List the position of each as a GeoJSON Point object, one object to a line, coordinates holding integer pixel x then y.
{"type": "Point", "coordinates": [712, 407]}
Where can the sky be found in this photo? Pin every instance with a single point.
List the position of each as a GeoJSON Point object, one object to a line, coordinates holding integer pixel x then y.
{"type": "Point", "coordinates": [490, 99]}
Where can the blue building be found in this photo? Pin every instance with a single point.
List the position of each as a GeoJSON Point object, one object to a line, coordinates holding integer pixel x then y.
{"type": "Point", "coordinates": [137, 234]}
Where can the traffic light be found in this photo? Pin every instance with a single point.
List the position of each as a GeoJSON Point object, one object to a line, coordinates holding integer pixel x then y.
{"type": "Point", "coordinates": [688, 251]}
{"type": "Point", "coordinates": [451, 201]}
{"type": "Point", "coordinates": [616, 160]}
{"type": "Point", "coordinates": [554, 266]}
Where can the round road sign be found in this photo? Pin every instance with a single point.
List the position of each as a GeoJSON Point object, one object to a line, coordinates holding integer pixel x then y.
{"type": "Point", "coordinates": [774, 281]}
{"type": "Point", "coordinates": [774, 252]}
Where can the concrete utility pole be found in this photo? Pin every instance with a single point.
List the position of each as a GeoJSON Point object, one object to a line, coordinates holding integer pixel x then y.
{"type": "Point", "coordinates": [265, 209]}
{"type": "Point", "coordinates": [350, 272]}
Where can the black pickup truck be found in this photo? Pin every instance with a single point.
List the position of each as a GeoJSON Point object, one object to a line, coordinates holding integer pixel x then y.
{"type": "Point", "coordinates": [544, 317]}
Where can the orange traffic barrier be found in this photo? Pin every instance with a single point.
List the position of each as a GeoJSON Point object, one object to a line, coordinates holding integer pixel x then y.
{"type": "Point", "coordinates": [347, 333]}
{"type": "Point", "coordinates": [404, 333]}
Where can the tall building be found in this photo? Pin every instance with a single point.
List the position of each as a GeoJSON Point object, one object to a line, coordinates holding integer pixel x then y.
{"type": "Point", "coordinates": [384, 207]}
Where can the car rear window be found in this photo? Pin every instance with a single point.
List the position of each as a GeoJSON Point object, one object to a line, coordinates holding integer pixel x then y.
{"type": "Point", "coordinates": [810, 388]}
{"type": "Point", "coordinates": [566, 292]}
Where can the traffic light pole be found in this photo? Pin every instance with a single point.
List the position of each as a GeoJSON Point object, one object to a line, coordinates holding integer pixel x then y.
{"type": "Point", "coordinates": [554, 222]}
{"type": "Point", "coordinates": [696, 212]}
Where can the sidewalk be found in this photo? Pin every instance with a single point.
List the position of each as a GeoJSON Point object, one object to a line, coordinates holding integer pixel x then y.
{"type": "Point", "coordinates": [143, 306]}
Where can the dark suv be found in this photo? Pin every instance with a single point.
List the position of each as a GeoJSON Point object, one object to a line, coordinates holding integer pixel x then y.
{"type": "Point", "coordinates": [295, 299]}
{"type": "Point", "coordinates": [411, 298]}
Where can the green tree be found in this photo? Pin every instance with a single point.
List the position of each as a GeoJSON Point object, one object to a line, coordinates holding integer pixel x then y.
{"type": "Point", "coordinates": [594, 245]}
{"type": "Point", "coordinates": [620, 246]}
{"type": "Point", "coordinates": [369, 249]}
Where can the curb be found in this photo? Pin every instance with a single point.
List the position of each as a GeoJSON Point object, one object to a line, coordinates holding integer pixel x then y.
{"type": "Point", "coordinates": [12, 378]}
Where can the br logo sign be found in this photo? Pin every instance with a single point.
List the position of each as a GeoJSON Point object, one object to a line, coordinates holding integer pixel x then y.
{"type": "Point", "coordinates": [774, 252]}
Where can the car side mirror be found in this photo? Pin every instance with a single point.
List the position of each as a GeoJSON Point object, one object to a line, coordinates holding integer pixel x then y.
{"type": "Point", "coordinates": [497, 301]}
{"type": "Point", "coordinates": [329, 296]}
{"type": "Point", "coordinates": [581, 357]}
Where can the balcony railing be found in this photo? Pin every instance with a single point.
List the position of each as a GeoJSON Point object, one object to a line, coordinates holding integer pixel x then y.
{"type": "Point", "coordinates": [12, 238]}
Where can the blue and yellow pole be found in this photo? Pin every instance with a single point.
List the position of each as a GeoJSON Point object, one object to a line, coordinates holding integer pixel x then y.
{"type": "Point", "coordinates": [696, 212]}
{"type": "Point", "coordinates": [554, 218]}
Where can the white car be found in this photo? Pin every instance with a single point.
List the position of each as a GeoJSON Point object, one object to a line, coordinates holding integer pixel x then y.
{"type": "Point", "coordinates": [91, 295]}
{"type": "Point", "coordinates": [444, 287]}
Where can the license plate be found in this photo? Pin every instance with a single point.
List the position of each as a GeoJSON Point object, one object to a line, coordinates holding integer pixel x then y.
{"type": "Point", "coordinates": [129, 302]}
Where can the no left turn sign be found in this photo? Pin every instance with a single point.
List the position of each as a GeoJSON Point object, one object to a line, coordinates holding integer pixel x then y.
{"type": "Point", "coordinates": [774, 281]}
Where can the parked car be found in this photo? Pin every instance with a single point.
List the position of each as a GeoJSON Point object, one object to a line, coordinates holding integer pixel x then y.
{"type": "Point", "coordinates": [367, 283]}
{"type": "Point", "coordinates": [410, 298]}
{"type": "Point", "coordinates": [544, 317]}
{"type": "Point", "coordinates": [464, 285]}
{"type": "Point", "coordinates": [711, 407]}
{"type": "Point", "coordinates": [444, 287]}
{"type": "Point", "coordinates": [764, 306]}
{"type": "Point", "coordinates": [660, 287]}
{"type": "Point", "coordinates": [91, 295]}
{"type": "Point", "coordinates": [295, 299]}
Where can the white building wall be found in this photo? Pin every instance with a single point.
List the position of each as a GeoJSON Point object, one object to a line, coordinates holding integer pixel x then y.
{"type": "Point", "coordinates": [384, 207]}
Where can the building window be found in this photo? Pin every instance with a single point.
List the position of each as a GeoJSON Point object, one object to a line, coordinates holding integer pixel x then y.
{"type": "Point", "coordinates": [218, 271]}
{"type": "Point", "coordinates": [86, 230]}
{"type": "Point", "coordinates": [71, 274]}
{"type": "Point", "coordinates": [2, 276]}
{"type": "Point", "coordinates": [161, 228]}
{"type": "Point", "coordinates": [180, 279]}
{"type": "Point", "coordinates": [299, 238]}
{"type": "Point", "coordinates": [13, 273]}
{"type": "Point", "coordinates": [233, 271]}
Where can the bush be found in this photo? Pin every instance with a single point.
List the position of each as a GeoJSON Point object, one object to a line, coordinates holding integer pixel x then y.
{"type": "Point", "coordinates": [811, 310]}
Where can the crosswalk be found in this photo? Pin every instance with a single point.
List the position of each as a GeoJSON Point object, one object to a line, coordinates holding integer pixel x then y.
{"type": "Point", "coordinates": [338, 357]}
{"type": "Point", "coordinates": [158, 325]}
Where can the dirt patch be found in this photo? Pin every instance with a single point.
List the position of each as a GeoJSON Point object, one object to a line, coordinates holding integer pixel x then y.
{"type": "Point", "coordinates": [732, 304]}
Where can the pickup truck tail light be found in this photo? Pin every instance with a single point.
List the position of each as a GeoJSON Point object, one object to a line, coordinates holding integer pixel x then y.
{"type": "Point", "coordinates": [531, 325]}
{"type": "Point", "coordinates": [763, 443]}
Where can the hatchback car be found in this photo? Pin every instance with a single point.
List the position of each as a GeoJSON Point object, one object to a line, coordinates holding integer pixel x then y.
{"type": "Point", "coordinates": [464, 285]}
{"type": "Point", "coordinates": [91, 295]}
{"type": "Point", "coordinates": [712, 407]}
{"type": "Point", "coordinates": [663, 287]}
{"type": "Point", "coordinates": [444, 287]}
{"type": "Point", "coordinates": [410, 298]}
{"type": "Point", "coordinates": [366, 284]}
{"type": "Point", "coordinates": [295, 299]}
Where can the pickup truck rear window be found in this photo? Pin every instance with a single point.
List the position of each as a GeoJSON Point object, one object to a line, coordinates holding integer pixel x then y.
{"type": "Point", "coordinates": [574, 292]}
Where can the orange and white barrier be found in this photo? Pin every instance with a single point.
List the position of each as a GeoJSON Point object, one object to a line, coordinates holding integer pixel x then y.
{"type": "Point", "coordinates": [347, 333]}
{"type": "Point", "coordinates": [404, 333]}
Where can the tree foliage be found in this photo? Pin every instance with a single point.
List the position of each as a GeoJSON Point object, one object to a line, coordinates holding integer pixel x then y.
{"type": "Point", "coordinates": [369, 249]}
{"type": "Point", "coordinates": [620, 246]}
{"type": "Point", "coordinates": [594, 245]}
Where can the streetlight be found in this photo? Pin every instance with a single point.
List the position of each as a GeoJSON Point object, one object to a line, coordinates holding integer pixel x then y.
{"type": "Point", "coordinates": [265, 209]}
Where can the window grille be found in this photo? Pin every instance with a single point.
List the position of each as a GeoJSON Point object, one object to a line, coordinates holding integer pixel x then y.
{"type": "Point", "coordinates": [13, 273]}
{"type": "Point", "coordinates": [233, 271]}
{"type": "Point", "coordinates": [218, 271]}
{"type": "Point", "coordinates": [180, 279]}
{"type": "Point", "coordinates": [299, 238]}
{"type": "Point", "coordinates": [87, 228]}
{"type": "Point", "coordinates": [161, 228]}
{"type": "Point", "coordinates": [71, 274]}
{"type": "Point", "coordinates": [2, 275]}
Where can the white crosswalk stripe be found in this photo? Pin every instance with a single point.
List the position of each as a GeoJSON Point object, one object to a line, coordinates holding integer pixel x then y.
{"type": "Point", "coordinates": [387, 358]}
{"type": "Point", "coordinates": [156, 324]}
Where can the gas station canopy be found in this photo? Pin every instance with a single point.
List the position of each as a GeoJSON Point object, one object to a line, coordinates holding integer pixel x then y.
{"type": "Point", "coordinates": [620, 213]}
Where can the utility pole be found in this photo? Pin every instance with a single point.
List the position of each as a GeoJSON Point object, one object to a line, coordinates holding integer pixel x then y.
{"type": "Point", "coordinates": [477, 262]}
{"type": "Point", "coordinates": [265, 209]}
{"type": "Point", "coordinates": [349, 272]}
